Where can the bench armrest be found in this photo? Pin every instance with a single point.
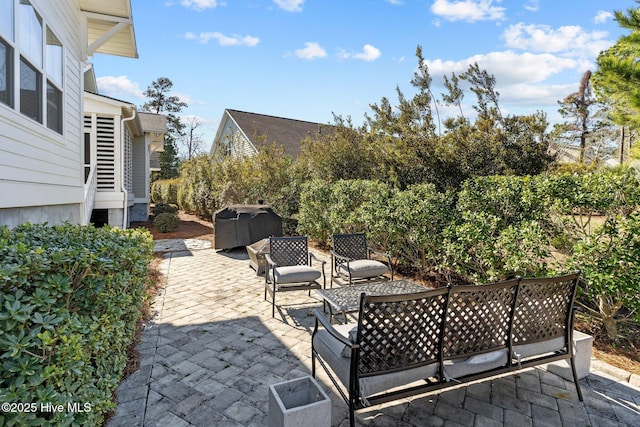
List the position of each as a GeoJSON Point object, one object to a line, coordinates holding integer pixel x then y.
{"type": "Point", "coordinates": [322, 319]}
{"type": "Point", "coordinates": [271, 262]}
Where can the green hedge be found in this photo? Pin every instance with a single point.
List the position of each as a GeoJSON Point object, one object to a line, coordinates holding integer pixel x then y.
{"type": "Point", "coordinates": [165, 191]}
{"type": "Point", "coordinates": [71, 297]}
{"type": "Point", "coordinates": [498, 227]}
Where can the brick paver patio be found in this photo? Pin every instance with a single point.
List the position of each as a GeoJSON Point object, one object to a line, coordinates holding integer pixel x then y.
{"type": "Point", "coordinates": [213, 349]}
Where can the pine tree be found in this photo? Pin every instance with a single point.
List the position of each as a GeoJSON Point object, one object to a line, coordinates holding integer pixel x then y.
{"type": "Point", "coordinates": [160, 102]}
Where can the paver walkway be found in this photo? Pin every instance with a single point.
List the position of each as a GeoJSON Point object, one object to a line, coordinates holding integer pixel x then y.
{"type": "Point", "coordinates": [213, 349]}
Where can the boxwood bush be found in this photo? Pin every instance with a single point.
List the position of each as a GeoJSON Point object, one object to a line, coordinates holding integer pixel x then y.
{"type": "Point", "coordinates": [71, 297]}
{"type": "Point", "coordinates": [166, 222]}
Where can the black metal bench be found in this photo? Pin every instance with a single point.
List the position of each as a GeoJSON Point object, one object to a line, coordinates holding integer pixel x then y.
{"type": "Point", "coordinates": [410, 344]}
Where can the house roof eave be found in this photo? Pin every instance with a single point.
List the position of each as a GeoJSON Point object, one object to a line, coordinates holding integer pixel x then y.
{"type": "Point", "coordinates": [110, 27]}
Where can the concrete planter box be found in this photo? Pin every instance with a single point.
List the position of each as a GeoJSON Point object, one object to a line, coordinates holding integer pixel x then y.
{"type": "Point", "coordinates": [583, 345]}
{"type": "Point", "coordinates": [256, 253]}
{"type": "Point", "coordinates": [299, 402]}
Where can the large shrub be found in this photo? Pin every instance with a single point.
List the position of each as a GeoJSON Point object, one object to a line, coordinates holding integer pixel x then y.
{"type": "Point", "coordinates": [315, 205]}
{"type": "Point", "coordinates": [415, 225]}
{"type": "Point", "coordinates": [165, 191]}
{"type": "Point", "coordinates": [196, 192]}
{"type": "Point", "coordinates": [581, 198]}
{"type": "Point", "coordinates": [70, 298]}
{"type": "Point", "coordinates": [610, 262]}
{"type": "Point", "coordinates": [503, 229]}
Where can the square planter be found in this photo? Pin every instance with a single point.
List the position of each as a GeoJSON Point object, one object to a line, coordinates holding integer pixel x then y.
{"type": "Point", "coordinates": [256, 254]}
{"type": "Point", "coordinates": [582, 345]}
{"type": "Point", "coordinates": [299, 402]}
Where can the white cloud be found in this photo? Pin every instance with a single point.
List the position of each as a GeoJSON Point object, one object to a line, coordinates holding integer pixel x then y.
{"type": "Point", "coordinates": [395, 2]}
{"type": "Point", "coordinates": [524, 81]}
{"type": "Point", "coordinates": [312, 50]}
{"type": "Point", "coordinates": [602, 16]}
{"type": "Point", "coordinates": [570, 40]}
{"type": "Point", "coordinates": [200, 4]}
{"type": "Point", "coordinates": [119, 87]}
{"type": "Point", "coordinates": [468, 10]}
{"type": "Point", "coordinates": [532, 5]}
{"type": "Point", "coordinates": [234, 40]}
{"type": "Point", "coordinates": [369, 53]}
{"type": "Point", "coordinates": [509, 67]}
{"type": "Point", "coordinates": [290, 5]}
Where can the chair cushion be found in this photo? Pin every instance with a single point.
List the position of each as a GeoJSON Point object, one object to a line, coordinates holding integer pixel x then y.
{"type": "Point", "coordinates": [363, 268]}
{"type": "Point", "coordinates": [539, 348]}
{"type": "Point", "coordinates": [329, 350]}
{"type": "Point", "coordinates": [295, 274]}
{"type": "Point", "coordinates": [461, 367]}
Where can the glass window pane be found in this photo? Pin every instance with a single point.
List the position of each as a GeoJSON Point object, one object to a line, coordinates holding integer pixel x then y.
{"type": "Point", "coordinates": [54, 58]}
{"type": "Point", "coordinates": [54, 108]}
{"type": "Point", "coordinates": [30, 91]}
{"type": "Point", "coordinates": [6, 74]}
{"type": "Point", "coordinates": [30, 30]}
{"type": "Point", "coordinates": [6, 18]}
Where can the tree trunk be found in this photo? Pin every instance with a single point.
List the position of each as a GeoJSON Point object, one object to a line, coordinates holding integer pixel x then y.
{"type": "Point", "coordinates": [608, 310]}
{"type": "Point", "coordinates": [622, 145]}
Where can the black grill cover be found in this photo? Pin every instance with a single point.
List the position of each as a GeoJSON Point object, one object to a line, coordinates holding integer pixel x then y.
{"type": "Point", "coordinates": [242, 225]}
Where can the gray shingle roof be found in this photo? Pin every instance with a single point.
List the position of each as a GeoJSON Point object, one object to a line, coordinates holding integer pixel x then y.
{"type": "Point", "coordinates": [263, 130]}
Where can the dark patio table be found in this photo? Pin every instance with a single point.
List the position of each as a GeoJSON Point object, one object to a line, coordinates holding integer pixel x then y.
{"type": "Point", "coordinates": [347, 298]}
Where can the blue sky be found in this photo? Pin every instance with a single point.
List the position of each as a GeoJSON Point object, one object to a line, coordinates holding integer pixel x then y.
{"type": "Point", "coordinates": [307, 59]}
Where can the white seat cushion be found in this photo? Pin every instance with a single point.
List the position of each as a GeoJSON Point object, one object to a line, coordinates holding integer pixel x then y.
{"type": "Point", "coordinates": [330, 350]}
{"type": "Point", "coordinates": [295, 274]}
{"type": "Point", "coordinates": [539, 348]}
{"type": "Point", "coordinates": [363, 268]}
{"type": "Point", "coordinates": [457, 368]}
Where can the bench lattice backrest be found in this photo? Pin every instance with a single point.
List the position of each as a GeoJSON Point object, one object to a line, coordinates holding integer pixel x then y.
{"type": "Point", "coordinates": [286, 251]}
{"type": "Point", "coordinates": [397, 332]}
{"type": "Point", "coordinates": [543, 310]}
{"type": "Point", "coordinates": [478, 318]}
{"type": "Point", "coordinates": [352, 246]}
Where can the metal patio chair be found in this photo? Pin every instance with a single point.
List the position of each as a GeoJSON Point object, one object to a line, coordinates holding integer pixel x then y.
{"type": "Point", "coordinates": [289, 268]}
{"type": "Point", "coordinates": [351, 261]}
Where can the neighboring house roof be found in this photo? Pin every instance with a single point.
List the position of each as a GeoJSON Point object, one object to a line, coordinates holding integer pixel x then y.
{"type": "Point", "coordinates": [262, 130]}
{"type": "Point", "coordinates": [109, 27]}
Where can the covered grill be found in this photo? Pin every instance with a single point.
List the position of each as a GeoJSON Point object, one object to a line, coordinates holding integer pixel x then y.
{"type": "Point", "coordinates": [242, 225]}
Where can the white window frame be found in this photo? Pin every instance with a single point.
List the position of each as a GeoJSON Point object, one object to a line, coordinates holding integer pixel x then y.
{"type": "Point", "coordinates": [50, 74]}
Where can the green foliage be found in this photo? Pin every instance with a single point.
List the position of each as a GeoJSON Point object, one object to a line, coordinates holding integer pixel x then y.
{"type": "Point", "coordinates": [71, 297]}
{"type": "Point", "coordinates": [343, 153]}
{"type": "Point", "coordinates": [313, 215]}
{"type": "Point", "coordinates": [579, 198]}
{"type": "Point", "coordinates": [414, 230]}
{"type": "Point", "coordinates": [618, 76]}
{"type": "Point", "coordinates": [208, 183]}
{"type": "Point", "coordinates": [503, 229]}
{"type": "Point", "coordinates": [164, 208]}
{"type": "Point", "coordinates": [165, 191]}
{"type": "Point", "coordinates": [196, 192]}
{"type": "Point", "coordinates": [166, 222]}
{"type": "Point", "coordinates": [610, 262]}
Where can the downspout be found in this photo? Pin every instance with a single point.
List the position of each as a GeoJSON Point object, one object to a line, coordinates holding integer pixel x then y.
{"type": "Point", "coordinates": [125, 213]}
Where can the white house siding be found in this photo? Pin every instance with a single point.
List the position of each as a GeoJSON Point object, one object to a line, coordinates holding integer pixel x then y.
{"type": "Point", "coordinates": [41, 171]}
{"type": "Point", "coordinates": [233, 142]}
